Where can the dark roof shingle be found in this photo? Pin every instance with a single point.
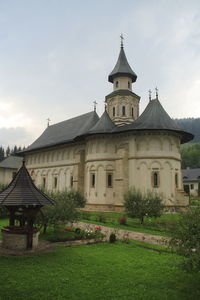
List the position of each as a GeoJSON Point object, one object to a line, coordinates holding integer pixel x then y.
{"type": "Point", "coordinates": [65, 131]}
{"type": "Point", "coordinates": [122, 68]}
{"type": "Point", "coordinates": [22, 191]}
{"type": "Point", "coordinates": [191, 174]}
{"type": "Point", "coordinates": [11, 162]}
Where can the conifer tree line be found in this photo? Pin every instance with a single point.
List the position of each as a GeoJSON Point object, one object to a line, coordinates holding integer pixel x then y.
{"type": "Point", "coordinates": [5, 152]}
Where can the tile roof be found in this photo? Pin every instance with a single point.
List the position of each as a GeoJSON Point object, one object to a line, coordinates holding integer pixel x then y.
{"type": "Point", "coordinates": [122, 68]}
{"type": "Point", "coordinates": [22, 192]}
{"type": "Point", "coordinates": [154, 117]}
{"type": "Point", "coordinates": [191, 174]}
{"type": "Point", "coordinates": [65, 131]}
{"type": "Point", "coordinates": [104, 125]}
{"type": "Point", "coordinates": [11, 162]}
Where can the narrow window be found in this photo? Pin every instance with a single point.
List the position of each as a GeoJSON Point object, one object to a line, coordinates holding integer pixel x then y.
{"type": "Point", "coordinates": [109, 180]}
{"type": "Point", "coordinates": [55, 182]}
{"type": "Point", "coordinates": [44, 182]}
{"type": "Point", "coordinates": [191, 186]}
{"type": "Point", "coordinates": [116, 84]}
{"type": "Point", "coordinates": [113, 111]}
{"type": "Point", "coordinates": [155, 179]}
{"type": "Point", "coordinates": [129, 84]}
{"type": "Point", "coordinates": [92, 180]}
{"type": "Point", "coordinates": [176, 180]}
{"type": "Point", "coordinates": [71, 181]}
{"type": "Point", "coordinates": [14, 174]}
{"type": "Point", "coordinates": [123, 110]}
{"type": "Point", "coordinates": [132, 111]}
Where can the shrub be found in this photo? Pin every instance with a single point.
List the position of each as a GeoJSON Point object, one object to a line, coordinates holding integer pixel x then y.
{"type": "Point", "coordinates": [101, 218]}
{"type": "Point", "coordinates": [65, 208]}
{"type": "Point", "coordinates": [139, 205]}
{"type": "Point", "coordinates": [112, 238]}
{"type": "Point", "coordinates": [122, 220]}
{"type": "Point", "coordinates": [85, 215]}
{"type": "Point", "coordinates": [186, 238]}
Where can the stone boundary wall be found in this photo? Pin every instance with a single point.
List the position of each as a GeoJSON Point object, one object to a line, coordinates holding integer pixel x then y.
{"type": "Point", "coordinates": [126, 234]}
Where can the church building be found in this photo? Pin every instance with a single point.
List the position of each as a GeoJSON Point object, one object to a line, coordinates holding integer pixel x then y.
{"type": "Point", "coordinates": [104, 157]}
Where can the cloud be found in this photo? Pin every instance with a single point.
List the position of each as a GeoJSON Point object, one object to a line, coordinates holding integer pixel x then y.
{"type": "Point", "coordinates": [14, 136]}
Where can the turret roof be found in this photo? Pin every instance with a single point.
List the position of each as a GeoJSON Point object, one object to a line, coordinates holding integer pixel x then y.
{"type": "Point", "coordinates": [154, 117]}
{"type": "Point", "coordinates": [104, 125]}
{"type": "Point", "coordinates": [122, 68]}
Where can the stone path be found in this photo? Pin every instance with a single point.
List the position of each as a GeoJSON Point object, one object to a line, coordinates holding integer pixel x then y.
{"type": "Point", "coordinates": [126, 234]}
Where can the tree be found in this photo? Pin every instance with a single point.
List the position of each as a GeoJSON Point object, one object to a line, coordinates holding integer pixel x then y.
{"type": "Point", "coordinates": [65, 208]}
{"type": "Point", "coordinates": [8, 151]}
{"type": "Point", "coordinates": [186, 239]}
{"type": "Point", "coordinates": [139, 205]}
{"type": "Point", "coordinates": [2, 154]}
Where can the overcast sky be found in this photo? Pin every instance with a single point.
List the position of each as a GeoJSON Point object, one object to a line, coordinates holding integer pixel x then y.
{"type": "Point", "coordinates": [55, 57]}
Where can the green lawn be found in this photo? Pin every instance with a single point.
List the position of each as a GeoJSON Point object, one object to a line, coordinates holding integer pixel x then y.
{"type": "Point", "coordinates": [164, 225]}
{"type": "Point", "coordinates": [100, 271]}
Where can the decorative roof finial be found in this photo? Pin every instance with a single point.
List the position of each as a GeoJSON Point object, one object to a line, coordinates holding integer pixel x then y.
{"type": "Point", "coordinates": [48, 121]}
{"type": "Point", "coordinates": [156, 89]}
{"type": "Point", "coordinates": [122, 40]}
{"type": "Point", "coordinates": [95, 105]}
{"type": "Point", "coordinates": [150, 92]}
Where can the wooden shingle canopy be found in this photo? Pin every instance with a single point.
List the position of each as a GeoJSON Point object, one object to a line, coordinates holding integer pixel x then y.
{"type": "Point", "coordinates": [22, 192]}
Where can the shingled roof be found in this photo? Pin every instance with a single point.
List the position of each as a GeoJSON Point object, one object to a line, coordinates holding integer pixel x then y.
{"type": "Point", "coordinates": [11, 162]}
{"type": "Point", "coordinates": [191, 175]}
{"type": "Point", "coordinates": [22, 192]}
{"type": "Point", "coordinates": [65, 131]}
{"type": "Point", "coordinates": [154, 117]}
{"type": "Point", "coordinates": [104, 125]}
{"type": "Point", "coordinates": [122, 68]}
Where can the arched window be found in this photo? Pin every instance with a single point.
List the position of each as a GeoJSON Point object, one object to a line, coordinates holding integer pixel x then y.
{"type": "Point", "coordinates": [155, 179]}
{"type": "Point", "coordinates": [132, 111]}
{"type": "Point", "coordinates": [116, 84]}
{"type": "Point", "coordinates": [129, 84]}
{"type": "Point", "coordinates": [123, 110]}
{"type": "Point", "coordinates": [92, 180]}
{"type": "Point", "coordinates": [71, 181]}
{"type": "Point", "coordinates": [109, 180]}
{"type": "Point", "coordinates": [113, 111]}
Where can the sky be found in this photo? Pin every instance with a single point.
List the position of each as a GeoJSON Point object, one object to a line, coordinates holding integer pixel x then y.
{"type": "Point", "coordinates": [56, 55]}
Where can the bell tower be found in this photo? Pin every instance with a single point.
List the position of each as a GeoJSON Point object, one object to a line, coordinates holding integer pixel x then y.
{"type": "Point", "coordinates": [122, 103]}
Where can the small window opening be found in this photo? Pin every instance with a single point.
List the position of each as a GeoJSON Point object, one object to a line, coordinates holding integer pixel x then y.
{"type": "Point", "coordinates": [55, 182]}
{"type": "Point", "coordinates": [44, 182]}
{"type": "Point", "coordinates": [71, 181]}
{"type": "Point", "coordinates": [155, 179]}
{"type": "Point", "coordinates": [176, 180]}
{"type": "Point", "coordinates": [123, 110]}
{"type": "Point", "coordinates": [14, 174]}
{"type": "Point", "coordinates": [116, 84]}
{"type": "Point", "coordinates": [129, 84]}
{"type": "Point", "coordinates": [132, 111]}
{"type": "Point", "coordinates": [191, 186]}
{"type": "Point", "coordinates": [113, 111]}
{"type": "Point", "coordinates": [92, 180]}
{"type": "Point", "coordinates": [109, 180]}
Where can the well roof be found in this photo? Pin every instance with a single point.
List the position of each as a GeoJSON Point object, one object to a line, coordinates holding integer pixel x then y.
{"type": "Point", "coordinates": [22, 192]}
{"type": "Point", "coordinates": [122, 68]}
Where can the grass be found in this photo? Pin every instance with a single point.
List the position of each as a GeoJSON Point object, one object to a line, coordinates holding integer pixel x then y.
{"type": "Point", "coordinates": [100, 271]}
{"type": "Point", "coordinates": [159, 226]}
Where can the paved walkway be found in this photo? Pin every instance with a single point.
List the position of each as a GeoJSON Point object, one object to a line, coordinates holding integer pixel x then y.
{"type": "Point", "coordinates": [126, 234]}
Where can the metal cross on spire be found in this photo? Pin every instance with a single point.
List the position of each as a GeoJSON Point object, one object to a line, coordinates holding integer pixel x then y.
{"type": "Point", "coordinates": [150, 92]}
{"type": "Point", "coordinates": [95, 105]}
{"type": "Point", "coordinates": [122, 40]}
{"type": "Point", "coordinates": [48, 121]}
{"type": "Point", "coordinates": [156, 89]}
